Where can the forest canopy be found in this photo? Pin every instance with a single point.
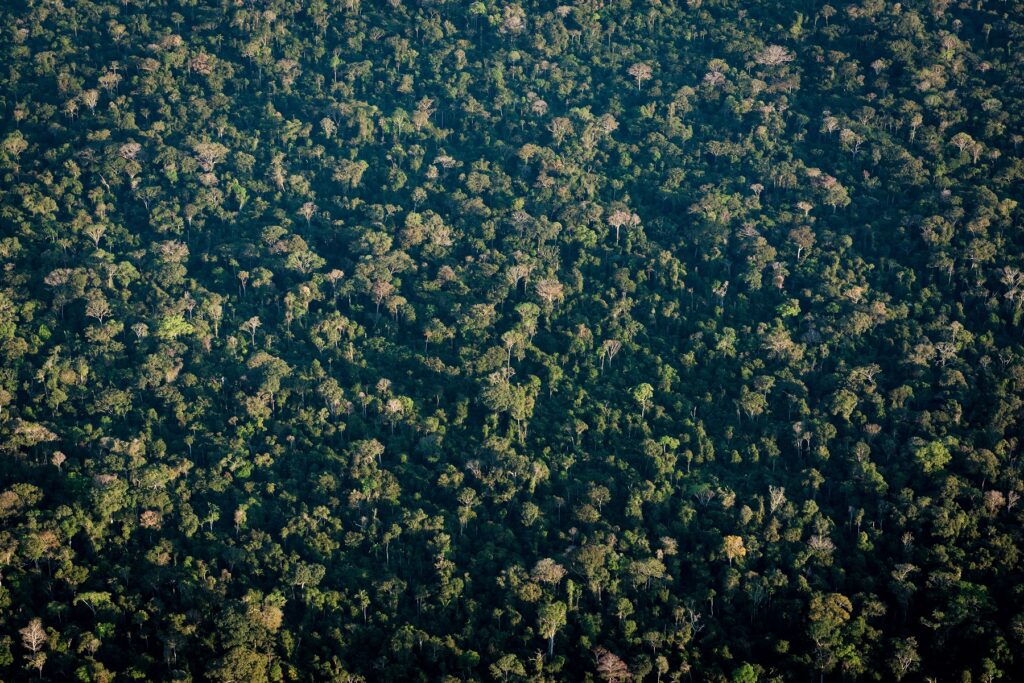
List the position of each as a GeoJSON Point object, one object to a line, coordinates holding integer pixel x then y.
{"type": "Point", "coordinates": [622, 340]}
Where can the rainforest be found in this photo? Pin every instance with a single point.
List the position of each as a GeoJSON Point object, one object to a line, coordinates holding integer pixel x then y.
{"type": "Point", "coordinates": [485, 341]}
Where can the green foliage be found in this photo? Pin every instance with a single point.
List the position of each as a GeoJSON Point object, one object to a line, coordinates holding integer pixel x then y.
{"type": "Point", "coordinates": [744, 674]}
{"type": "Point", "coordinates": [934, 455]}
{"type": "Point", "coordinates": [449, 341]}
{"type": "Point", "coordinates": [172, 327]}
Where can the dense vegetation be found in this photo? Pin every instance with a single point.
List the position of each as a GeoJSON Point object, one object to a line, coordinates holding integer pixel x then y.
{"type": "Point", "coordinates": [425, 340]}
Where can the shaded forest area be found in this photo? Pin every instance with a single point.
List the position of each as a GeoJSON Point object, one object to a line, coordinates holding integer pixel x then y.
{"type": "Point", "coordinates": [637, 340]}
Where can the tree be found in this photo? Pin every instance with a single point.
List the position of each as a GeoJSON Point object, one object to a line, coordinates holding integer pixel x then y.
{"type": "Point", "coordinates": [307, 211]}
{"type": "Point", "coordinates": [305, 574]}
{"type": "Point", "coordinates": [609, 349]}
{"type": "Point", "coordinates": [642, 394]}
{"type": "Point", "coordinates": [209, 154]}
{"type": "Point", "coordinates": [610, 667]}
{"type": "Point", "coordinates": [933, 455]}
{"type": "Point", "coordinates": [644, 571]}
{"type": "Point", "coordinates": [619, 218]}
{"type": "Point", "coordinates": [174, 326]}
{"type": "Point", "coordinates": [37, 662]}
{"type": "Point", "coordinates": [843, 403]}
{"type": "Point", "coordinates": [241, 663]}
{"type": "Point", "coordinates": [963, 142]}
{"type": "Point", "coordinates": [381, 290]}
{"type": "Point", "coordinates": [93, 600]}
{"type": "Point", "coordinates": [774, 55]}
{"type": "Point", "coordinates": [350, 173]}
{"type": "Point", "coordinates": [803, 239]}
{"type": "Point", "coordinates": [753, 403]}
{"type": "Point", "coordinates": [829, 613]}
{"type": "Point", "coordinates": [33, 635]}
{"type": "Point", "coordinates": [250, 326]}
{"type": "Point", "coordinates": [733, 548]}
{"type": "Point", "coordinates": [548, 571]}
{"type": "Point", "coordinates": [834, 193]}
{"type": "Point", "coordinates": [744, 674]}
{"type": "Point", "coordinates": [551, 618]}
{"type": "Point", "coordinates": [550, 291]}
{"type": "Point", "coordinates": [437, 332]}
{"type": "Point", "coordinates": [506, 667]}
{"type": "Point", "coordinates": [905, 658]}
{"type": "Point", "coordinates": [641, 72]}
